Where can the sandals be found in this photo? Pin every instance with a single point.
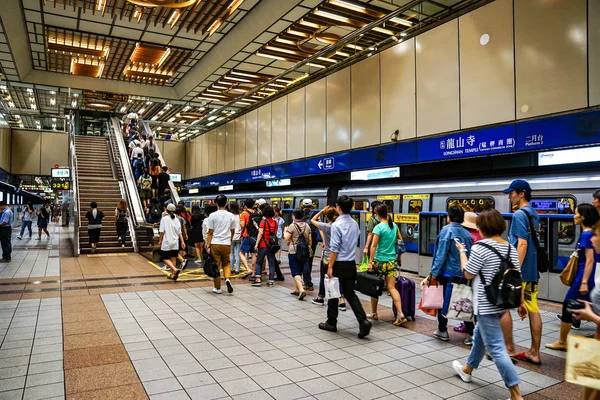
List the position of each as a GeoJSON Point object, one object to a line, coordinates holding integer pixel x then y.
{"type": "Point", "coordinates": [302, 296]}
{"type": "Point", "coordinates": [256, 283]}
{"type": "Point", "coordinates": [400, 322]}
{"type": "Point", "coordinates": [174, 275]}
{"type": "Point", "coordinates": [372, 316]}
{"type": "Point", "coordinates": [270, 284]}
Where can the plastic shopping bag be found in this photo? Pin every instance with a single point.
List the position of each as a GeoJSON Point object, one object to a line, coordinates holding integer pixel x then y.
{"type": "Point", "coordinates": [332, 288]}
{"type": "Point", "coordinates": [461, 303]}
{"type": "Point", "coordinates": [364, 264]}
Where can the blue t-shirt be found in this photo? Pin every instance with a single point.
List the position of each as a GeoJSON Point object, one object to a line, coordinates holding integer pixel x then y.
{"type": "Point", "coordinates": [585, 242]}
{"type": "Point", "coordinates": [386, 246]}
{"type": "Point", "coordinates": [519, 229]}
{"type": "Point", "coordinates": [7, 216]}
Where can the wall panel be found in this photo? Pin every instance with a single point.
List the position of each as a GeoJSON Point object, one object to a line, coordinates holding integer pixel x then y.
{"type": "Point", "coordinates": [174, 156]}
{"type": "Point", "coordinates": [366, 107]}
{"type": "Point", "coordinates": [251, 138]}
{"type": "Point", "coordinates": [230, 146]}
{"type": "Point", "coordinates": [338, 111]}
{"type": "Point", "coordinates": [487, 80]}
{"type": "Point", "coordinates": [551, 59]}
{"type": "Point", "coordinates": [296, 124]}
{"type": "Point", "coordinates": [279, 130]}
{"type": "Point", "coordinates": [316, 118]}
{"type": "Point", "coordinates": [398, 109]}
{"type": "Point", "coordinates": [437, 80]}
{"type": "Point", "coordinates": [212, 152]}
{"type": "Point", "coordinates": [204, 158]}
{"type": "Point", "coordinates": [56, 151]}
{"type": "Point", "coordinates": [264, 135]}
{"type": "Point", "coordinates": [25, 149]}
{"type": "Point", "coordinates": [5, 148]}
{"type": "Point", "coordinates": [221, 148]}
{"type": "Point", "coordinates": [240, 143]}
{"type": "Point", "coordinates": [594, 51]}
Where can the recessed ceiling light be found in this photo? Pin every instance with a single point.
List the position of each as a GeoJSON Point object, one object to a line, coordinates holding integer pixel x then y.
{"type": "Point", "coordinates": [484, 39]}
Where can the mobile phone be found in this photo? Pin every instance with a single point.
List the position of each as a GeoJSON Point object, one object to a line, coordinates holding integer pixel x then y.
{"type": "Point", "coordinates": [574, 305]}
{"type": "Point", "coordinates": [457, 240]}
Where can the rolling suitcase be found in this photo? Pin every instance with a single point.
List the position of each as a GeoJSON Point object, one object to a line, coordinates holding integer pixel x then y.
{"type": "Point", "coordinates": [407, 290]}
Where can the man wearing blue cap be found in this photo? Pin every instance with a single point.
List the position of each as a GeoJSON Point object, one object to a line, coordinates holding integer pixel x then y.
{"type": "Point", "coordinates": [520, 236]}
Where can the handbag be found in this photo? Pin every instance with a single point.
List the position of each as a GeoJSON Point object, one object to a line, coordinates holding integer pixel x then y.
{"type": "Point", "coordinates": [543, 263]}
{"type": "Point", "coordinates": [211, 269]}
{"type": "Point", "coordinates": [400, 247]}
{"type": "Point", "coordinates": [332, 288]}
{"type": "Point", "coordinates": [568, 274]}
{"type": "Point", "coordinates": [583, 362]}
{"type": "Point", "coordinates": [433, 296]}
{"type": "Point", "coordinates": [369, 284]}
{"type": "Point", "coordinates": [364, 264]}
{"type": "Point", "coordinates": [461, 303]}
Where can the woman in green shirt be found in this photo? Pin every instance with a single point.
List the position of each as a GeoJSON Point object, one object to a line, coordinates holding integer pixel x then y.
{"type": "Point", "coordinates": [384, 262]}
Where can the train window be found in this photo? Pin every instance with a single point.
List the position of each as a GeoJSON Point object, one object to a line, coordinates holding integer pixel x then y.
{"type": "Point", "coordinates": [556, 205]}
{"type": "Point", "coordinates": [361, 205]}
{"type": "Point", "coordinates": [472, 204]}
{"type": "Point", "coordinates": [390, 205]}
{"type": "Point", "coordinates": [415, 206]}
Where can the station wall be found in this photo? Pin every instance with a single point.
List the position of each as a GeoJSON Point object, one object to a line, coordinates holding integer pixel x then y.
{"type": "Point", "coordinates": [506, 61]}
{"type": "Point", "coordinates": [36, 152]}
{"type": "Point", "coordinates": [5, 150]}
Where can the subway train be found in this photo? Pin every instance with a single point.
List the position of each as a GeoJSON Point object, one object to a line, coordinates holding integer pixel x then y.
{"type": "Point", "coordinates": [419, 209]}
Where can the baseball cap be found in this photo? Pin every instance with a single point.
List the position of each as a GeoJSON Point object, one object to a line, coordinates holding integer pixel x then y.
{"type": "Point", "coordinates": [518, 184]}
{"type": "Point", "coordinates": [307, 202]}
{"type": "Point", "coordinates": [171, 207]}
{"type": "Point", "coordinates": [260, 202]}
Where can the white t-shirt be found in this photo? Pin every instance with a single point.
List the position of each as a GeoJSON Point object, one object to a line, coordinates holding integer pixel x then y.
{"type": "Point", "coordinates": [237, 235]}
{"type": "Point", "coordinates": [171, 227]}
{"type": "Point", "coordinates": [221, 222]}
{"type": "Point", "coordinates": [135, 152]}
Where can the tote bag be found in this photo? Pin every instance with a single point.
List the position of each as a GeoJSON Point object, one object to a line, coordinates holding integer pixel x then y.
{"type": "Point", "coordinates": [460, 306]}
{"type": "Point", "coordinates": [432, 296]}
{"type": "Point", "coordinates": [583, 362]}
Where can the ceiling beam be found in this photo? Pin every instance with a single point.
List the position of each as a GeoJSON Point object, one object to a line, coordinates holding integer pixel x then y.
{"type": "Point", "coordinates": [263, 15]}
{"type": "Point", "coordinates": [12, 17]}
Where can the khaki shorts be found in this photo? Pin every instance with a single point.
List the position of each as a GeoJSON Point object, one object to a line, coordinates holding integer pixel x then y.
{"type": "Point", "coordinates": [531, 297]}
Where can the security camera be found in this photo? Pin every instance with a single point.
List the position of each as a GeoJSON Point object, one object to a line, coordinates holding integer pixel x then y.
{"type": "Point", "coordinates": [394, 136]}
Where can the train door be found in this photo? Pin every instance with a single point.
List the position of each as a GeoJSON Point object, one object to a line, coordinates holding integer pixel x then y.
{"type": "Point", "coordinates": [430, 223]}
{"type": "Point", "coordinates": [361, 219]}
{"type": "Point", "coordinates": [286, 205]}
{"type": "Point", "coordinates": [408, 222]}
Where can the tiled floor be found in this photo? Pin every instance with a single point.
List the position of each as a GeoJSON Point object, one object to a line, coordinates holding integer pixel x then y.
{"type": "Point", "coordinates": [263, 343]}
{"type": "Point", "coordinates": [31, 354]}
{"type": "Point", "coordinates": [33, 258]}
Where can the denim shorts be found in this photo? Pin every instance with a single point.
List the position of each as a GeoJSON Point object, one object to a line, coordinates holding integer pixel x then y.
{"type": "Point", "coordinates": [295, 267]}
{"type": "Point", "coordinates": [248, 244]}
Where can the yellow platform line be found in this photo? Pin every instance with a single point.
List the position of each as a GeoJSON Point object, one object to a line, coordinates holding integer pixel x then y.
{"type": "Point", "coordinates": [158, 268]}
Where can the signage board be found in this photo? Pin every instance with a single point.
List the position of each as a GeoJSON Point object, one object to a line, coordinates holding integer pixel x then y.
{"type": "Point", "coordinates": [105, 96]}
{"type": "Point", "coordinates": [398, 153]}
{"type": "Point", "coordinates": [279, 182]}
{"type": "Point", "coordinates": [61, 185]}
{"type": "Point", "coordinates": [477, 143]}
{"type": "Point", "coordinates": [406, 218]}
{"type": "Point", "coordinates": [193, 191]}
{"type": "Point", "coordinates": [570, 156]}
{"type": "Point", "coordinates": [415, 196]}
{"type": "Point", "coordinates": [372, 174]}
{"type": "Point", "coordinates": [218, 180]}
{"type": "Point", "coordinates": [256, 174]}
{"type": "Point", "coordinates": [225, 188]}
{"type": "Point", "coordinates": [289, 169]}
{"type": "Point", "coordinates": [392, 197]}
{"type": "Point", "coordinates": [60, 172]}
{"type": "Point", "coordinates": [327, 164]}
{"type": "Point", "coordinates": [175, 177]}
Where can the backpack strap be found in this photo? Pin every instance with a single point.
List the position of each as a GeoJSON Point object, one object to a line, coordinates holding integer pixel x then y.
{"type": "Point", "coordinates": [531, 228]}
{"type": "Point", "coordinates": [496, 252]}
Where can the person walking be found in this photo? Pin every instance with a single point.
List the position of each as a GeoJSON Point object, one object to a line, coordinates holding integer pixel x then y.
{"type": "Point", "coordinates": [307, 273]}
{"type": "Point", "coordinates": [586, 216]}
{"type": "Point", "coordinates": [280, 226]}
{"type": "Point", "coordinates": [42, 222]}
{"type": "Point", "coordinates": [248, 242]}
{"type": "Point", "coordinates": [145, 185]}
{"type": "Point", "coordinates": [384, 263]}
{"type": "Point", "coordinates": [267, 229]}
{"type": "Point", "coordinates": [325, 227]}
{"type": "Point", "coordinates": [484, 262]}
{"type": "Point", "coordinates": [221, 227]}
{"type": "Point", "coordinates": [121, 217]}
{"type": "Point", "coordinates": [446, 265]}
{"type": "Point", "coordinates": [236, 242]}
{"type": "Point", "coordinates": [195, 233]}
{"type": "Point", "coordinates": [28, 217]}
{"type": "Point", "coordinates": [170, 238]}
{"type": "Point", "coordinates": [94, 217]}
{"type": "Point", "coordinates": [6, 222]}
{"type": "Point", "coordinates": [292, 236]}
{"type": "Point", "coordinates": [521, 237]}
{"type": "Point", "coordinates": [342, 264]}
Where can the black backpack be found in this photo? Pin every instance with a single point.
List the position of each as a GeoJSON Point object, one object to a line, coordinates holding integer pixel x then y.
{"type": "Point", "coordinates": [543, 262]}
{"type": "Point", "coordinates": [504, 291]}
{"type": "Point", "coordinates": [122, 216]}
{"type": "Point", "coordinates": [302, 248]}
{"type": "Point", "coordinates": [139, 165]}
{"type": "Point", "coordinates": [313, 229]}
{"type": "Point", "coordinates": [155, 211]}
{"type": "Point", "coordinates": [273, 243]}
{"type": "Point", "coordinates": [253, 223]}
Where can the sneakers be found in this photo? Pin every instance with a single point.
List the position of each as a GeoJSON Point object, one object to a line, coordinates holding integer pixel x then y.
{"type": "Point", "coordinates": [19, 237]}
{"type": "Point", "coordinates": [184, 264]}
{"type": "Point", "coordinates": [441, 335]}
{"type": "Point", "coordinates": [458, 368]}
{"type": "Point", "coordinates": [38, 238]}
{"type": "Point", "coordinates": [319, 302]}
{"type": "Point", "coordinates": [469, 340]}
{"type": "Point", "coordinates": [229, 286]}
{"type": "Point", "coordinates": [342, 306]}
{"type": "Point", "coordinates": [198, 261]}
{"type": "Point", "coordinates": [217, 291]}
{"type": "Point", "coordinates": [462, 328]}
{"type": "Point", "coordinates": [576, 324]}
{"type": "Point", "coordinates": [165, 268]}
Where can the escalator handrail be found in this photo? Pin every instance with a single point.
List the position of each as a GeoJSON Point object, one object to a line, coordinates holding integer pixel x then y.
{"type": "Point", "coordinates": [76, 197]}
{"type": "Point", "coordinates": [172, 188]}
{"type": "Point", "coordinates": [130, 186]}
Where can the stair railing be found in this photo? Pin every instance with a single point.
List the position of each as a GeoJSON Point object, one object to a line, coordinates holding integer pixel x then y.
{"type": "Point", "coordinates": [76, 200]}
{"type": "Point", "coordinates": [172, 188]}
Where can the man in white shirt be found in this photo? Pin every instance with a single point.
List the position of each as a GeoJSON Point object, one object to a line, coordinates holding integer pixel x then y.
{"type": "Point", "coordinates": [221, 227]}
{"type": "Point", "coordinates": [137, 151]}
